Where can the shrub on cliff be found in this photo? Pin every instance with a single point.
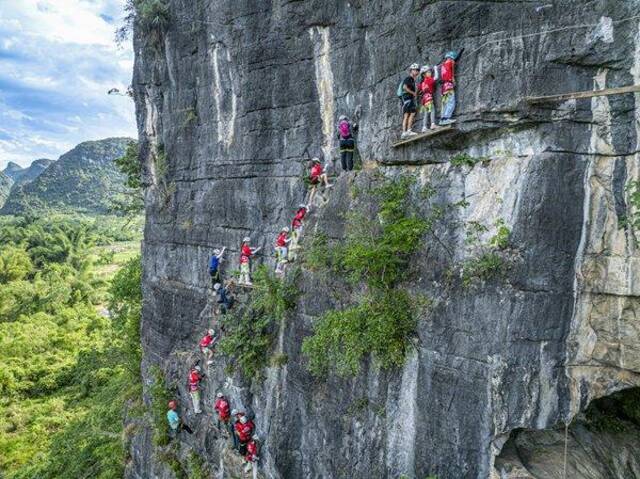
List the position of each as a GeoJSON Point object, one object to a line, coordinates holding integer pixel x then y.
{"type": "Point", "coordinates": [250, 328]}
{"type": "Point", "coordinates": [376, 253]}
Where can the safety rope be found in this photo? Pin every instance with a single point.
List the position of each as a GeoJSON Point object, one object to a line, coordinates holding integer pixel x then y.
{"type": "Point", "coordinates": [551, 30]}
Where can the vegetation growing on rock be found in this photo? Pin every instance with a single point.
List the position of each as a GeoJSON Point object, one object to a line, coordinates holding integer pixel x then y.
{"type": "Point", "coordinates": [376, 255]}
{"type": "Point", "coordinates": [251, 327]}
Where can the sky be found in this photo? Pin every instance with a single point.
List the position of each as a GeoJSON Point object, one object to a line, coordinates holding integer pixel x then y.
{"type": "Point", "coordinates": [58, 59]}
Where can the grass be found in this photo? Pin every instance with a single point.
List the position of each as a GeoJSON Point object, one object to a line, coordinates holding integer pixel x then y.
{"type": "Point", "coordinates": [463, 159]}
{"type": "Point", "coordinates": [114, 256]}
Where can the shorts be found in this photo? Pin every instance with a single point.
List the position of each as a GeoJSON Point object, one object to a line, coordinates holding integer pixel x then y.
{"type": "Point", "coordinates": [244, 267]}
{"type": "Point", "coordinates": [408, 105]}
{"type": "Point", "coordinates": [314, 180]}
{"type": "Point", "coordinates": [215, 275]}
{"type": "Point", "coordinates": [205, 350]}
{"type": "Point", "coordinates": [427, 107]}
{"type": "Point", "coordinates": [347, 145]}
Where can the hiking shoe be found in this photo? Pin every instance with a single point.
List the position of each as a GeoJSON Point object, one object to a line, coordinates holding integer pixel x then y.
{"type": "Point", "coordinates": [424, 129]}
{"type": "Point", "coordinates": [411, 133]}
{"type": "Point", "coordinates": [403, 135]}
{"type": "Point", "coordinates": [433, 126]}
{"type": "Point", "coordinates": [210, 362]}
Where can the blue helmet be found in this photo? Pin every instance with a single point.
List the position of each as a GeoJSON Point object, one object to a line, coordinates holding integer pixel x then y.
{"type": "Point", "coordinates": [452, 54]}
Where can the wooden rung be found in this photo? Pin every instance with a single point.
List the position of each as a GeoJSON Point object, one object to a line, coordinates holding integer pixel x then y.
{"type": "Point", "coordinates": [422, 136]}
{"type": "Point", "coordinates": [583, 94]}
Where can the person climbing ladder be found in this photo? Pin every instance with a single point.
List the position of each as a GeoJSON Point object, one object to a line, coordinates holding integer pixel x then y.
{"type": "Point", "coordinates": [221, 406]}
{"type": "Point", "coordinates": [224, 299]}
{"type": "Point", "coordinates": [347, 142]}
{"type": "Point", "coordinates": [317, 177]}
{"type": "Point", "coordinates": [282, 250]}
{"type": "Point", "coordinates": [244, 430]}
{"type": "Point", "coordinates": [176, 424]}
{"type": "Point", "coordinates": [214, 265]}
{"type": "Point", "coordinates": [207, 345]}
{"type": "Point", "coordinates": [246, 252]}
{"type": "Point", "coordinates": [296, 231]}
{"type": "Point", "coordinates": [252, 453]}
{"type": "Point", "coordinates": [195, 376]}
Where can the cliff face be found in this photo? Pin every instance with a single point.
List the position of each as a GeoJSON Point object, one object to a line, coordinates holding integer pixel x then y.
{"type": "Point", "coordinates": [233, 99]}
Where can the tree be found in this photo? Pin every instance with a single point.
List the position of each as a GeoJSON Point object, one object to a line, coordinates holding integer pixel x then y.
{"type": "Point", "coordinates": [15, 264]}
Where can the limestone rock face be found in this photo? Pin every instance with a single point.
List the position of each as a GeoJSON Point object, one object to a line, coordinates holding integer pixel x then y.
{"type": "Point", "coordinates": [234, 97]}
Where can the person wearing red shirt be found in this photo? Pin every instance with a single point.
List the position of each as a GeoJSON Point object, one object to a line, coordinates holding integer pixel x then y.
{"type": "Point", "coordinates": [221, 406]}
{"type": "Point", "coordinates": [246, 252]}
{"type": "Point", "coordinates": [282, 249]}
{"type": "Point", "coordinates": [244, 430]}
{"type": "Point", "coordinates": [317, 177]}
{"type": "Point", "coordinates": [447, 77]}
{"type": "Point", "coordinates": [195, 376]}
{"type": "Point", "coordinates": [427, 89]}
{"type": "Point", "coordinates": [235, 419]}
{"type": "Point", "coordinates": [252, 453]}
{"type": "Point", "coordinates": [207, 345]}
{"type": "Point", "coordinates": [296, 231]}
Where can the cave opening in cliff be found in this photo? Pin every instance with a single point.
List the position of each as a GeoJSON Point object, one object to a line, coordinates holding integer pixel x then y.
{"type": "Point", "coordinates": [601, 442]}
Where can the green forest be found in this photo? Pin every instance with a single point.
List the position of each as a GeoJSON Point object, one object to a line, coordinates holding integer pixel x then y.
{"type": "Point", "coordinates": [70, 302]}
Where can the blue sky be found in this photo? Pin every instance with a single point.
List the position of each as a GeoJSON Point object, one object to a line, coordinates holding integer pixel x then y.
{"type": "Point", "coordinates": [58, 59]}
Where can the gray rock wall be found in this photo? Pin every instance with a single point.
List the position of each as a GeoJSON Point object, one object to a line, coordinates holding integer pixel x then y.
{"type": "Point", "coordinates": [239, 94]}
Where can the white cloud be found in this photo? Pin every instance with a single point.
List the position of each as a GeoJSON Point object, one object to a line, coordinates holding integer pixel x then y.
{"type": "Point", "coordinates": [57, 61]}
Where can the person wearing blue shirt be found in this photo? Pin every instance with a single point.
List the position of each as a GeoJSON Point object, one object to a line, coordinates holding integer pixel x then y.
{"type": "Point", "coordinates": [214, 265]}
{"type": "Point", "coordinates": [175, 424]}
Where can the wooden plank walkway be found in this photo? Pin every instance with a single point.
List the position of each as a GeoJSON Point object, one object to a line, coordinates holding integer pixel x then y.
{"type": "Point", "coordinates": [421, 136]}
{"type": "Point", "coordinates": [533, 100]}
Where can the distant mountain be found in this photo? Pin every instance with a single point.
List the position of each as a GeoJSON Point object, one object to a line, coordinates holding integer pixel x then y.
{"type": "Point", "coordinates": [32, 172]}
{"type": "Point", "coordinates": [82, 180]}
{"type": "Point", "coordinates": [13, 170]}
{"type": "Point", "coordinates": [5, 186]}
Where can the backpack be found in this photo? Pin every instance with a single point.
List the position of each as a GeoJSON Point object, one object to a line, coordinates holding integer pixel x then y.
{"type": "Point", "coordinates": [344, 128]}
{"type": "Point", "coordinates": [400, 91]}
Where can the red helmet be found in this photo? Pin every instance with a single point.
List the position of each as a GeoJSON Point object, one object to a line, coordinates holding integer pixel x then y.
{"type": "Point", "coordinates": [173, 404]}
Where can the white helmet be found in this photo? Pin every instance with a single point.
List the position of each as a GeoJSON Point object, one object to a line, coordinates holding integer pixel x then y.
{"type": "Point", "coordinates": [414, 66]}
{"type": "Point", "coordinates": [246, 239]}
{"type": "Point", "coordinates": [302, 205]}
{"type": "Point", "coordinates": [197, 368]}
{"type": "Point", "coordinates": [342, 117]}
{"type": "Point", "coordinates": [216, 251]}
{"type": "Point", "coordinates": [217, 286]}
{"type": "Point", "coordinates": [243, 419]}
{"type": "Point", "coordinates": [315, 160]}
{"type": "Point", "coordinates": [234, 412]}
{"type": "Point", "coordinates": [219, 395]}
{"type": "Point", "coordinates": [285, 229]}
{"type": "Point", "coordinates": [211, 332]}
{"type": "Point", "coordinates": [425, 68]}
{"type": "Point", "coordinates": [255, 437]}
